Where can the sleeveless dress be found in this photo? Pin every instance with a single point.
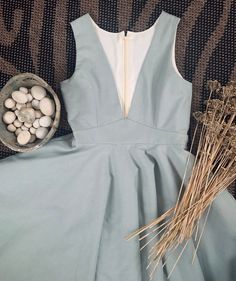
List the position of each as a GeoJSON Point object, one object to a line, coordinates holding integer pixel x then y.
{"type": "Point", "coordinates": [66, 207]}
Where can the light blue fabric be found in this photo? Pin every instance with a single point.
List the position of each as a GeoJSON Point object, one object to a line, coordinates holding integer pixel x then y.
{"type": "Point", "coordinates": [65, 208]}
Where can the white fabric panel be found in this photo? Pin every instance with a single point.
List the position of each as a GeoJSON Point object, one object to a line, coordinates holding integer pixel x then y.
{"type": "Point", "coordinates": [125, 55]}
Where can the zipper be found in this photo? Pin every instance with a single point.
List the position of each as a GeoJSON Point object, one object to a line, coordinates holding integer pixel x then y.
{"type": "Point", "coordinates": [124, 73]}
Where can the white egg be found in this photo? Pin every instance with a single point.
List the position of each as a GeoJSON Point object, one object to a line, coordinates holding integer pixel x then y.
{"type": "Point", "coordinates": [18, 130]}
{"type": "Point", "coordinates": [23, 90]}
{"type": "Point", "coordinates": [41, 132]}
{"type": "Point", "coordinates": [29, 97]}
{"type": "Point", "coordinates": [21, 118]}
{"type": "Point", "coordinates": [9, 103]}
{"type": "Point", "coordinates": [20, 105]}
{"type": "Point", "coordinates": [32, 138]}
{"type": "Point", "coordinates": [19, 97]}
{"type": "Point", "coordinates": [24, 128]}
{"type": "Point", "coordinates": [38, 92]}
{"type": "Point", "coordinates": [32, 130]}
{"type": "Point", "coordinates": [27, 115]}
{"type": "Point", "coordinates": [36, 123]}
{"type": "Point", "coordinates": [38, 114]}
{"type": "Point", "coordinates": [47, 106]}
{"type": "Point", "coordinates": [11, 128]}
{"type": "Point", "coordinates": [45, 121]}
{"type": "Point", "coordinates": [17, 112]}
{"type": "Point", "coordinates": [35, 103]}
{"type": "Point", "coordinates": [23, 137]}
{"type": "Point", "coordinates": [28, 124]}
{"type": "Point", "coordinates": [17, 123]}
{"type": "Point", "coordinates": [9, 117]}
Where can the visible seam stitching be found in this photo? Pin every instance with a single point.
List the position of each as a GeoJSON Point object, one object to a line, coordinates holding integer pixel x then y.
{"type": "Point", "coordinates": [102, 125]}
{"type": "Point", "coordinates": [130, 143]}
{"type": "Point", "coordinates": [153, 127]}
{"type": "Point", "coordinates": [138, 122]}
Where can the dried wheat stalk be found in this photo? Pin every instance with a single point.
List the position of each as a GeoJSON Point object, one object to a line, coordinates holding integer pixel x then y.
{"type": "Point", "coordinates": [213, 171]}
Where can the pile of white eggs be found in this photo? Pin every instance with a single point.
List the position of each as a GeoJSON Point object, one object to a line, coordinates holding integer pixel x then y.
{"type": "Point", "coordinates": [30, 114]}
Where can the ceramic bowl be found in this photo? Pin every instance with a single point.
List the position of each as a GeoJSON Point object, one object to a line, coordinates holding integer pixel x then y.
{"type": "Point", "coordinates": [27, 80]}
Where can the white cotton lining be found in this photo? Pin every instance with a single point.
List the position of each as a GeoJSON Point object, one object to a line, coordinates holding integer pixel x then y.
{"type": "Point", "coordinates": [136, 48]}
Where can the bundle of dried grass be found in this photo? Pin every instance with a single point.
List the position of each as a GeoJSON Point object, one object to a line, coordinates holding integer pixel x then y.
{"type": "Point", "coordinates": [213, 170]}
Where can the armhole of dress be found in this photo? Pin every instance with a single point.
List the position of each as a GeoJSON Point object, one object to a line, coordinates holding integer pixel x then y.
{"type": "Point", "coordinates": [74, 35]}
{"type": "Point", "coordinates": [173, 56]}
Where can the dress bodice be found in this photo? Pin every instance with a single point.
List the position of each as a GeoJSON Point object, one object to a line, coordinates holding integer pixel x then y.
{"type": "Point", "coordinates": [106, 96]}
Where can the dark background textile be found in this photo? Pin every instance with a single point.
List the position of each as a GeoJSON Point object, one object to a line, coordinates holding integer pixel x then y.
{"type": "Point", "coordinates": [36, 37]}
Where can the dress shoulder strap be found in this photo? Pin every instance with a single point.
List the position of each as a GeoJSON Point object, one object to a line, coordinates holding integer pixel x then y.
{"type": "Point", "coordinates": [81, 35]}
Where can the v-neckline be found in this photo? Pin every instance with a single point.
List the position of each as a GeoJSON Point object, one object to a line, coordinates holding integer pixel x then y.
{"type": "Point", "coordinates": [144, 62]}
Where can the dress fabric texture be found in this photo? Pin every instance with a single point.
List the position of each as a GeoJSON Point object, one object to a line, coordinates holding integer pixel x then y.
{"type": "Point", "coordinates": [66, 207]}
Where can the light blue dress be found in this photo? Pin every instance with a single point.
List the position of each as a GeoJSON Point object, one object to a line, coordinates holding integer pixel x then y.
{"type": "Point", "coordinates": [66, 207]}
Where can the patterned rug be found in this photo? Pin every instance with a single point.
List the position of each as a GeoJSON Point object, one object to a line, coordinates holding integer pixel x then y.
{"type": "Point", "coordinates": [36, 37]}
